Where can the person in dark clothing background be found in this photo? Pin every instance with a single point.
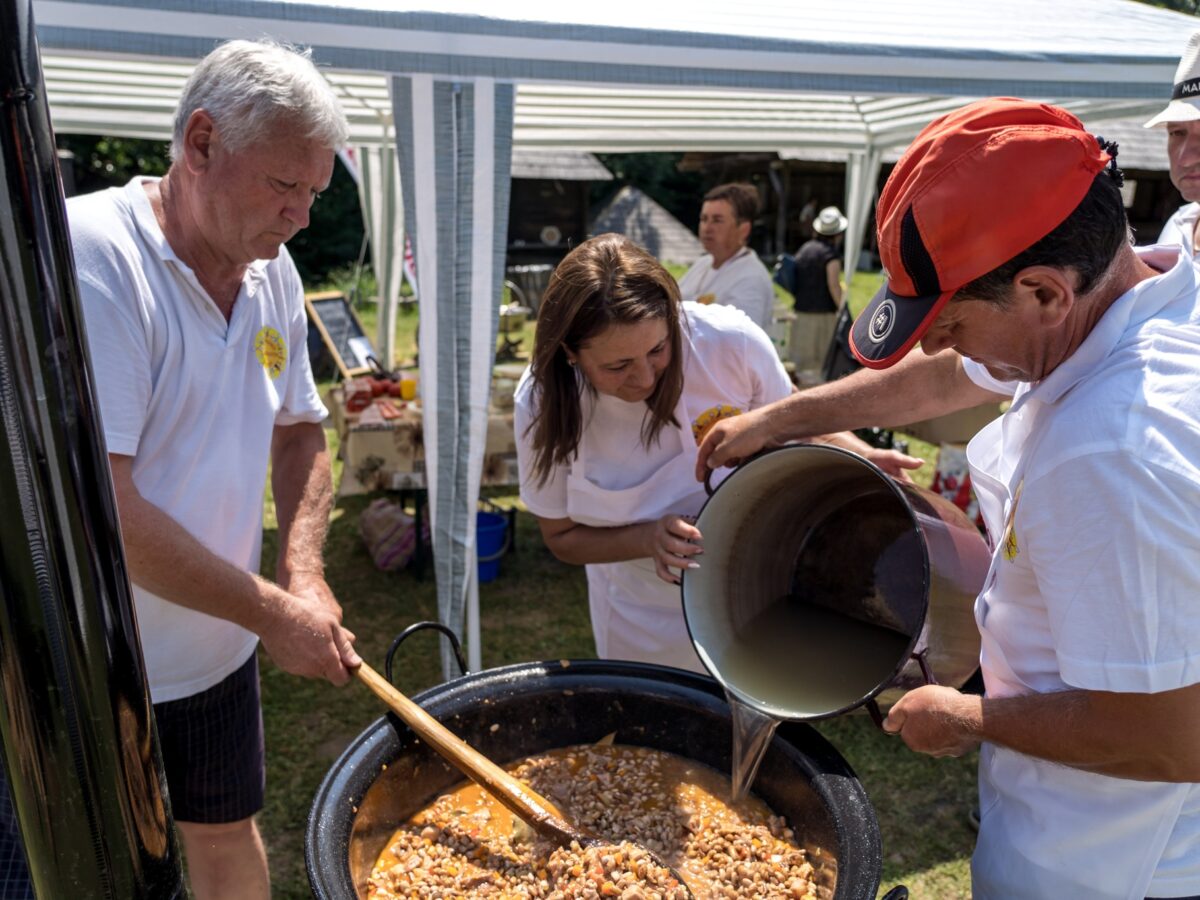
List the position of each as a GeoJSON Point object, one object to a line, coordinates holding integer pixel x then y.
{"type": "Point", "coordinates": [818, 292]}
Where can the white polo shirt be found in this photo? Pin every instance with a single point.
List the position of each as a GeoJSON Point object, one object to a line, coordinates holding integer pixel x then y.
{"type": "Point", "coordinates": [742, 281]}
{"type": "Point", "coordinates": [1181, 228]}
{"type": "Point", "coordinates": [194, 400]}
{"type": "Point", "coordinates": [1090, 487]}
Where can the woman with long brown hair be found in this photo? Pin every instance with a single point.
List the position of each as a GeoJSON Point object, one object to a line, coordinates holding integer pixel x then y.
{"type": "Point", "coordinates": [624, 382]}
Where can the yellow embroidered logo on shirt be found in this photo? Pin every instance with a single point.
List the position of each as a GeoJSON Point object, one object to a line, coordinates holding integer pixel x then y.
{"type": "Point", "coordinates": [1011, 548]}
{"type": "Point", "coordinates": [270, 350]}
{"type": "Point", "coordinates": [711, 417]}
{"type": "Point", "coordinates": [1010, 544]}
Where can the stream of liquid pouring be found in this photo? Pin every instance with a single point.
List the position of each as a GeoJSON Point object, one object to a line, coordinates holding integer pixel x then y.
{"type": "Point", "coordinates": [795, 661]}
{"type": "Point", "coordinates": [752, 733]}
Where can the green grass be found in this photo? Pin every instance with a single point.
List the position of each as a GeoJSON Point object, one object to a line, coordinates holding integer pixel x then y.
{"type": "Point", "coordinates": [537, 609]}
{"type": "Point", "coordinates": [862, 288]}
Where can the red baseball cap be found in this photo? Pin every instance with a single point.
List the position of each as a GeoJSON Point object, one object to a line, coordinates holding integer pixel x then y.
{"type": "Point", "coordinates": [976, 187]}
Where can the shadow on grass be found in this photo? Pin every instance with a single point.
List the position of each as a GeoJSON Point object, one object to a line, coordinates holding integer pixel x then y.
{"type": "Point", "coordinates": [922, 805]}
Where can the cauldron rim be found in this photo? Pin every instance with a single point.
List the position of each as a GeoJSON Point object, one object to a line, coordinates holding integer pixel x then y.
{"type": "Point", "coordinates": [829, 775]}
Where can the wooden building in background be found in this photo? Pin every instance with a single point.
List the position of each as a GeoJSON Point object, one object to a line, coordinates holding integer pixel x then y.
{"type": "Point", "coordinates": [547, 213]}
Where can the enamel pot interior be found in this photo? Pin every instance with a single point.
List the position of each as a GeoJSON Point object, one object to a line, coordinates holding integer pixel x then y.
{"type": "Point", "coordinates": [387, 774]}
{"type": "Point", "coordinates": [820, 579]}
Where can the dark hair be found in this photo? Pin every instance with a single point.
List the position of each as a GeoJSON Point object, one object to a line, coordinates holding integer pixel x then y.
{"type": "Point", "coordinates": [742, 197]}
{"type": "Point", "coordinates": [1087, 241]}
{"type": "Point", "coordinates": [608, 280]}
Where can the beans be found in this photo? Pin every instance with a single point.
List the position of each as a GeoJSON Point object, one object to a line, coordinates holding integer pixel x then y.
{"type": "Point", "coordinates": [465, 845]}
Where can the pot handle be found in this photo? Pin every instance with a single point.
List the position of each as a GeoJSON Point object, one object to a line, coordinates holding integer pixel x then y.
{"type": "Point", "coordinates": [413, 629]}
{"type": "Point", "coordinates": [877, 715]}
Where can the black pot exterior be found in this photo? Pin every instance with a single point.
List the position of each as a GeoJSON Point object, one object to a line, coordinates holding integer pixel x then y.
{"type": "Point", "coordinates": [387, 773]}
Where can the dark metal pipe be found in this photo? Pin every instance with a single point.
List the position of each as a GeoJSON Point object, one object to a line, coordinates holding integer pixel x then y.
{"type": "Point", "coordinates": [79, 744]}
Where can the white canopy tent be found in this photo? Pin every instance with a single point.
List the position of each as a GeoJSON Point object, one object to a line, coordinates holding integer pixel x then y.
{"type": "Point", "coordinates": [458, 88]}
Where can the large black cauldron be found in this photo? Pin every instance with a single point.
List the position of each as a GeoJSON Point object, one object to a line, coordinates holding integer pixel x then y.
{"type": "Point", "coordinates": [540, 706]}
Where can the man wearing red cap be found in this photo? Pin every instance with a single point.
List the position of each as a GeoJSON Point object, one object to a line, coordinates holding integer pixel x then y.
{"type": "Point", "coordinates": [1004, 236]}
{"type": "Point", "coordinates": [1181, 120]}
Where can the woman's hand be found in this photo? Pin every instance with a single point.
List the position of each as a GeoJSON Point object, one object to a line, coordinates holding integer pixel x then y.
{"type": "Point", "coordinates": [674, 540]}
{"type": "Point", "coordinates": [893, 462]}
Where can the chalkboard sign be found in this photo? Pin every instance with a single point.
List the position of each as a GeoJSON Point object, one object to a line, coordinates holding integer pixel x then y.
{"type": "Point", "coordinates": [341, 332]}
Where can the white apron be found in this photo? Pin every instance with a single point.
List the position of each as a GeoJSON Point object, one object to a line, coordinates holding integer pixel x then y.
{"type": "Point", "coordinates": [635, 614]}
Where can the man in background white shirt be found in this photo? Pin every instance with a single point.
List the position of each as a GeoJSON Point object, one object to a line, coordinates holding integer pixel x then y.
{"type": "Point", "coordinates": [730, 272]}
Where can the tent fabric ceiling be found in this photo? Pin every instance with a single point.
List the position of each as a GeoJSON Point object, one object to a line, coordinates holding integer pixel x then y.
{"type": "Point", "coordinates": [137, 98]}
{"type": "Point", "coordinates": [1140, 148]}
{"type": "Point", "coordinates": [760, 76]}
{"type": "Point", "coordinates": [1109, 49]}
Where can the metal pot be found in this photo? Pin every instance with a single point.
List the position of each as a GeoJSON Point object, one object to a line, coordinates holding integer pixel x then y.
{"type": "Point", "coordinates": [386, 773]}
{"type": "Point", "coordinates": [864, 583]}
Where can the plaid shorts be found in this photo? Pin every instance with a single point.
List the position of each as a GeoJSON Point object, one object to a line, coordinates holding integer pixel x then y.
{"type": "Point", "coordinates": [212, 748]}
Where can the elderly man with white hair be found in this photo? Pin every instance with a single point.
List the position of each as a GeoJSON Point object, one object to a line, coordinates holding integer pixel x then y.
{"type": "Point", "coordinates": [1181, 120]}
{"type": "Point", "coordinates": [197, 335]}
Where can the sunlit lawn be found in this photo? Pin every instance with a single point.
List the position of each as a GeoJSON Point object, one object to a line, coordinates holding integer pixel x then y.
{"type": "Point", "coordinates": [537, 609]}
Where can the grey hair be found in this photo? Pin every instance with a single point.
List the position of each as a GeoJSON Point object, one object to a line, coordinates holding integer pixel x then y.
{"type": "Point", "coordinates": [250, 87]}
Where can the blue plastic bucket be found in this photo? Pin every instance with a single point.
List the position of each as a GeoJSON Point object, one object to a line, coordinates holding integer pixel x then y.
{"type": "Point", "coordinates": [491, 532]}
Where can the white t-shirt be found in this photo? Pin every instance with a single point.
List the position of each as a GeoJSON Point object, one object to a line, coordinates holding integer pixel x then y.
{"type": "Point", "coordinates": [194, 400]}
{"type": "Point", "coordinates": [1181, 228]}
{"type": "Point", "coordinates": [742, 281]}
{"type": "Point", "coordinates": [1090, 487]}
{"type": "Point", "coordinates": [729, 367]}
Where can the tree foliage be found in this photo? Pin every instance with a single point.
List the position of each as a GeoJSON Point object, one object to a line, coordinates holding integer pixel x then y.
{"type": "Point", "coordinates": [102, 162]}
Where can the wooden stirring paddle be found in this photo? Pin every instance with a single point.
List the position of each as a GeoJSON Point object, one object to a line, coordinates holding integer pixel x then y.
{"type": "Point", "coordinates": [522, 800]}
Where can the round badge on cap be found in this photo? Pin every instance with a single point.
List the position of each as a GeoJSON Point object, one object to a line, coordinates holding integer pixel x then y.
{"type": "Point", "coordinates": [882, 321]}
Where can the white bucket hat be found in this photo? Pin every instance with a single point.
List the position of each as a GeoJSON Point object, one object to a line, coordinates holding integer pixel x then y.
{"type": "Point", "coordinates": [1185, 97]}
{"type": "Point", "coordinates": [829, 221]}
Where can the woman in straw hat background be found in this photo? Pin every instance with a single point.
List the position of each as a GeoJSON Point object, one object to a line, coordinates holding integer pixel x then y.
{"type": "Point", "coordinates": [819, 294]}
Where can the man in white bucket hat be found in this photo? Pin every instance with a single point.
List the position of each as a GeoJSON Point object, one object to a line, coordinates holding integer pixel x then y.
{"type": "Point", "coordinates": [1181, 119]}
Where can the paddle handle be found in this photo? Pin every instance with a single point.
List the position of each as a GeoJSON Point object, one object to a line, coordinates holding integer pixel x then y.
{"type": "Point", "coordinates": [524, 802]}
